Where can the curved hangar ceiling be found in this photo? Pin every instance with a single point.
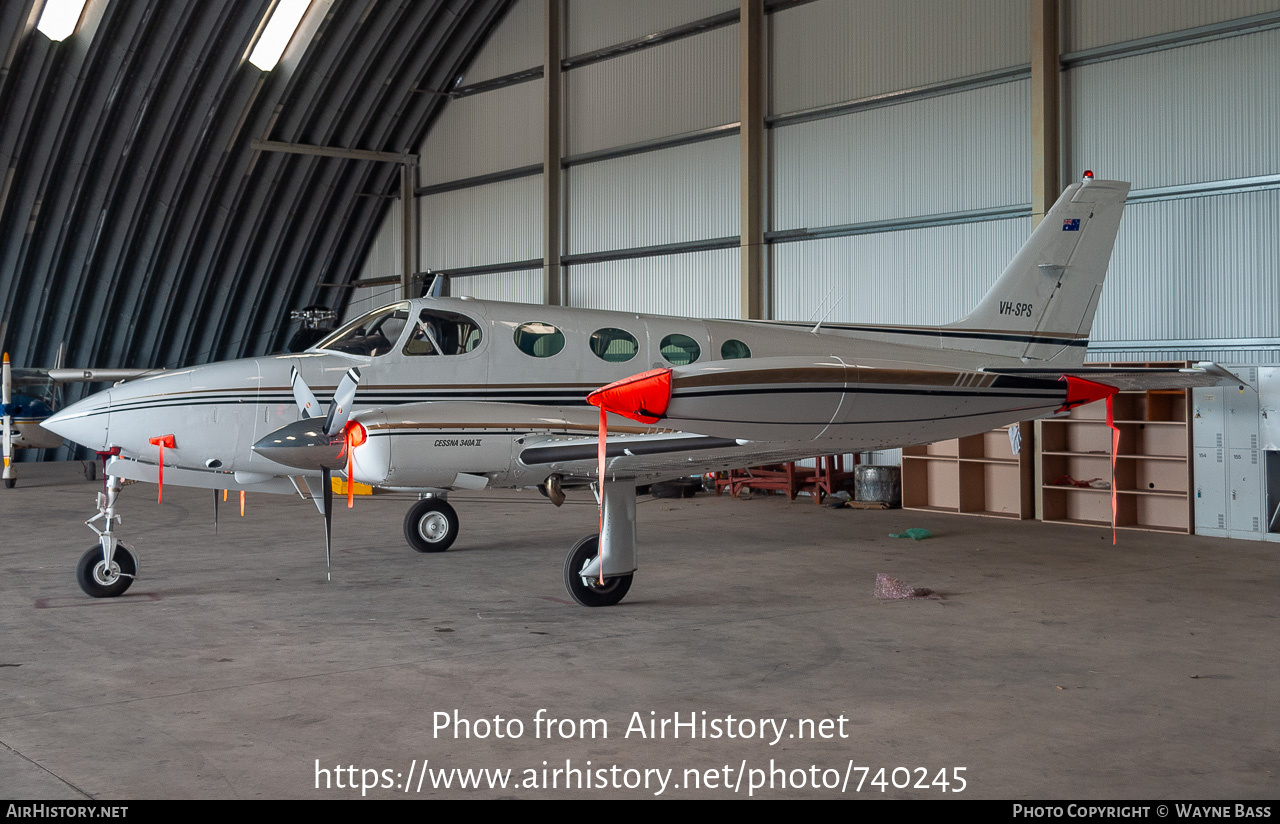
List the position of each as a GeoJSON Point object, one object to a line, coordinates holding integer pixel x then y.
{"type": "Point", "coordinates": [137, 222]}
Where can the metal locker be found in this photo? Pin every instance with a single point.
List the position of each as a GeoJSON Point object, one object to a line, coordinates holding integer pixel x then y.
{"type": "Point", "coordinates": [1241, 409]}
{"type": "Point", "coordinates": [1206, 416]}
{"type": "Point", "coordinates": [1244, 493]}
{"type": "Point", "coordinates": [1210, 491]}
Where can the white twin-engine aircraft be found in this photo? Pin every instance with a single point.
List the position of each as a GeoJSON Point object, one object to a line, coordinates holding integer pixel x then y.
{"type": "Point", "coordinates": [432, 395]}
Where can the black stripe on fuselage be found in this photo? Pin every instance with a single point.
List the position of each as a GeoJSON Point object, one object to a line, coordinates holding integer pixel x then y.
{"type": "Point", "coordinates": [581, 452]}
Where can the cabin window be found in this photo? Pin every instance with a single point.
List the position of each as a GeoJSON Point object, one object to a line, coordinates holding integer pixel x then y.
{"type": "Point", "coordinates": [614, 345]}
{"type": "Point", "coordinates": [372, 334]}
{"type": "Point", "coordinates": [442, 333]}
{"type": "Point", "coordinates": [680, 349]}
{"type": "Point", "coordinates": [734, 349]}
{"type": "Point", "coordinates": [541, 340]}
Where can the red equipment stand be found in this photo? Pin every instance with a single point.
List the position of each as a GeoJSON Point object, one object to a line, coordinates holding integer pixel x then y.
{"type": "Point", "coordinates": [829, 477]}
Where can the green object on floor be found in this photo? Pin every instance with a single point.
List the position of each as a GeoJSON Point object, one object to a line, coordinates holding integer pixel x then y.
{"type": "Point", "coordinates": [915, 534]}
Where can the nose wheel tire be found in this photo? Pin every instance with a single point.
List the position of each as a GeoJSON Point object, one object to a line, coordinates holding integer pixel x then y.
{"type": "Point", "coordinates": [102, 580]}
{"type": "Point", "coordinates": [431, 525]}
{"type": "Point", "coordinates": [589, 591]}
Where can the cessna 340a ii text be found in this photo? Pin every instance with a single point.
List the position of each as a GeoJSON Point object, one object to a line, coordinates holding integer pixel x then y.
{"type": "Point", "coordinates": [431, 395]}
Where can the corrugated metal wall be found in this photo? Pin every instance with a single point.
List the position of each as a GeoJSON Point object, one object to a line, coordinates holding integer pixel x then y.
{"type": "Point", "coordinates": [704, 68]}
{"type": "Point", "coordinates": [598, 24]}
{"type": "Point", "coordinates": [831, 51]}
{"type": "Point", "coordinates": [957, 152]}
{"type": "Point", "coordinates": [485, 133]}
{"type": "Point", "coordinates": [697, 284]}
{"type": "Point", "coordinates": [920, 276]}
{"type": "Point", "coordinates": [514, 45]}
{"type": "Point", "coordinates": [1209, 111]}
{"type": "Point", "coordinates": [684, 193]}
{"type": "Point", "coordinates": [521, 287]}
{"type": "Point", "coordinates": [1088, 24]}
{"type": "Point", "coordinates": [482, 225]}
{"type": "Point", "coordinates": [1213, 265]}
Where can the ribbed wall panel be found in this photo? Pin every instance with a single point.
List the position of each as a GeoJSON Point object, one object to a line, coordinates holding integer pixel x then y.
{"type": "Point", "coordinates": [921, 276]}
{"type": "Point", "coordinates": [681, 86]}
{"type": "Point", "coordinates": [496, 223]}
{"type": "Point", "coordinates": [369, 298]}
{"type": "Point", "coordinates": [515, 45]}
{"type": "Point", "coordinates": [697, 285]}
{"type": "Point", "coordinates": [483, 133]}
{"type": "Point", "coordinates": [1199, 268]}
{"type": "Point", "coordinates": [597, 24]}
{"type": "Point", "coordinates": [1199, 113]}
{"type": "Point", "coordinates": [384, 260]}
{"type": "Point", "coordinates": [836, 50]}
{"type": "Point", "coordinates": [519, 287]}
{"type": "Point", "coordinates": [1090, 23]}
{"type": "Point", "coordinates": [943, 154]}
{"type": "Point", "coordinates": [685, 193]}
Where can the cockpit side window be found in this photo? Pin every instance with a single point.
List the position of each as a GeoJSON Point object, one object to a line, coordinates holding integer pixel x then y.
{"type": "Point", "coordinates": [438, 332]}
{"type": "Point", "coordinates": [373, 334]}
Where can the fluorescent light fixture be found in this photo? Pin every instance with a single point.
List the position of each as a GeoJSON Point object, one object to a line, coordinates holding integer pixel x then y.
{"type": "Point", "coordinates": [278, 32]}
{"type": "Point", "coordinates": [59, 17]}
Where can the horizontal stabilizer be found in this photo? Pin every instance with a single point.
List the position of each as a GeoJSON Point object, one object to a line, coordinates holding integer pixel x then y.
{"type": "Point", "coordinates": [1128, 379]}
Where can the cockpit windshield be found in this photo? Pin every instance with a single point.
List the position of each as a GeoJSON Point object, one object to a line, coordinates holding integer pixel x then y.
{"type": "Point", "coordinates": [372, 334]}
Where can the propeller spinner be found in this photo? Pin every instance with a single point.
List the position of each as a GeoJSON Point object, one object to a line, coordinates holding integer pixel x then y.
{"type": "Point", "coordinates": [312, 443]}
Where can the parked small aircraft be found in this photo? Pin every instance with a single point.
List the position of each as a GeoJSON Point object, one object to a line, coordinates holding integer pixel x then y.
{"type": "Point", "coordinates": [30, 396]}
{"type": "Point", "coordinates": [431, 395]}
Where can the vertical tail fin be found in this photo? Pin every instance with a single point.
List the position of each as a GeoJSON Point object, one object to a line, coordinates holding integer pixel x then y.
{"type": "Point", "coordinates": [1041, 308]}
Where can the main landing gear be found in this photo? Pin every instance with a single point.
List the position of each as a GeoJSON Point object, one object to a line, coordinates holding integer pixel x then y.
{"type": "Point", "coordinates": [582, 576]}
{"type": "Point", "coordinates": [108, 569]}
{"type": "Point", "coordinates": [431, 525]}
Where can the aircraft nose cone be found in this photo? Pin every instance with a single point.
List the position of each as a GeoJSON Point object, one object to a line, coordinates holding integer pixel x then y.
{"type": "Point", "coordinates": [303, 445]}
{"type": "Point", "coordinates": [84, 422]}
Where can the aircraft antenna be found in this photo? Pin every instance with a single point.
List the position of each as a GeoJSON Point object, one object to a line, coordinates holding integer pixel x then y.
{"type": "Point", "coordinates": [821, 304]}
{"type": "Point", "coordinates": [815, 329]}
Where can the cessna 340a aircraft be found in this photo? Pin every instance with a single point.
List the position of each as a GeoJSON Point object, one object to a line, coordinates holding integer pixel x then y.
{"type": "Point", "coordinates": [431, 395]}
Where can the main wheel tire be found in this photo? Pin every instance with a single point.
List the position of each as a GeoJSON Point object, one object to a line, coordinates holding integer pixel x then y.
{"type": "Point", "coordinates": [588, 591]}
{"type": "Point", "coordinates": [9, 483]}
{"type": "Point", "coordinates": [431, 525]}
{"type": "Point", "coordinates": [102, 581]}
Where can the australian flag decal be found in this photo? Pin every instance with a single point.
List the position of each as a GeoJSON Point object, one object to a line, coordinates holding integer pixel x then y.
{"type": "Point", "coordinates": [1072, 225]}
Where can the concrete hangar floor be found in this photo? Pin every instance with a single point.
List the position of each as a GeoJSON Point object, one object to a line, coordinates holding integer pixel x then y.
{"type": "Point", "coordinates": [1054, 665]}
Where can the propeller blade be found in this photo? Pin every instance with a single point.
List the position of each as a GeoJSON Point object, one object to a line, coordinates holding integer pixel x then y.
{"type": "Point", "coordinates": [340, 408]}
{"type": "Point", "coordinates": [328, 521]}
{"type": "Point", "coordinates": [303, 396]}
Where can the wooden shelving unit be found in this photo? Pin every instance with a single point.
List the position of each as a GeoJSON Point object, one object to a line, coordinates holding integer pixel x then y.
{"type": "Point", "coordinates": [976, 475]}
{"type": "Point", "coordinates": [1153, 472]}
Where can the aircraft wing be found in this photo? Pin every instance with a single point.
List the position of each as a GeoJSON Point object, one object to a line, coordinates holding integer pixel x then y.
{"type": "Point", "coordinates": [835, 406]}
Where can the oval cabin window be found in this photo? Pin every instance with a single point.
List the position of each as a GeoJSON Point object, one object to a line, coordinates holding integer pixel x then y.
{"type": "Point", "coordinates": [680, 349]}
{"type": "Point", "coordinates": [541, 340]}
{"type": "Point", "coordinates": [734, 349]}
{"type": "Point", "coordinates": [614, 345]}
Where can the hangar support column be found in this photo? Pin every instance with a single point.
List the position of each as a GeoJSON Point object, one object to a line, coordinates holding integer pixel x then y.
{"type": "Point", "coordinates": [751, 115]}
{"type": "Point", "coordinates": [1046, 158]}
{"type": "Point", "coordinates": [552, 211]}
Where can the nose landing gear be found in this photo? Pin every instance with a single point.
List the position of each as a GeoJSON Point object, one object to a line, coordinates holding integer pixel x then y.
{"type": "Point", "coordinates": [108, 569]}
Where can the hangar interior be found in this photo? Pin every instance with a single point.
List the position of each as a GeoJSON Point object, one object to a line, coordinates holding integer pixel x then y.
{"type": "Point", "coordinates": [167, 202]}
